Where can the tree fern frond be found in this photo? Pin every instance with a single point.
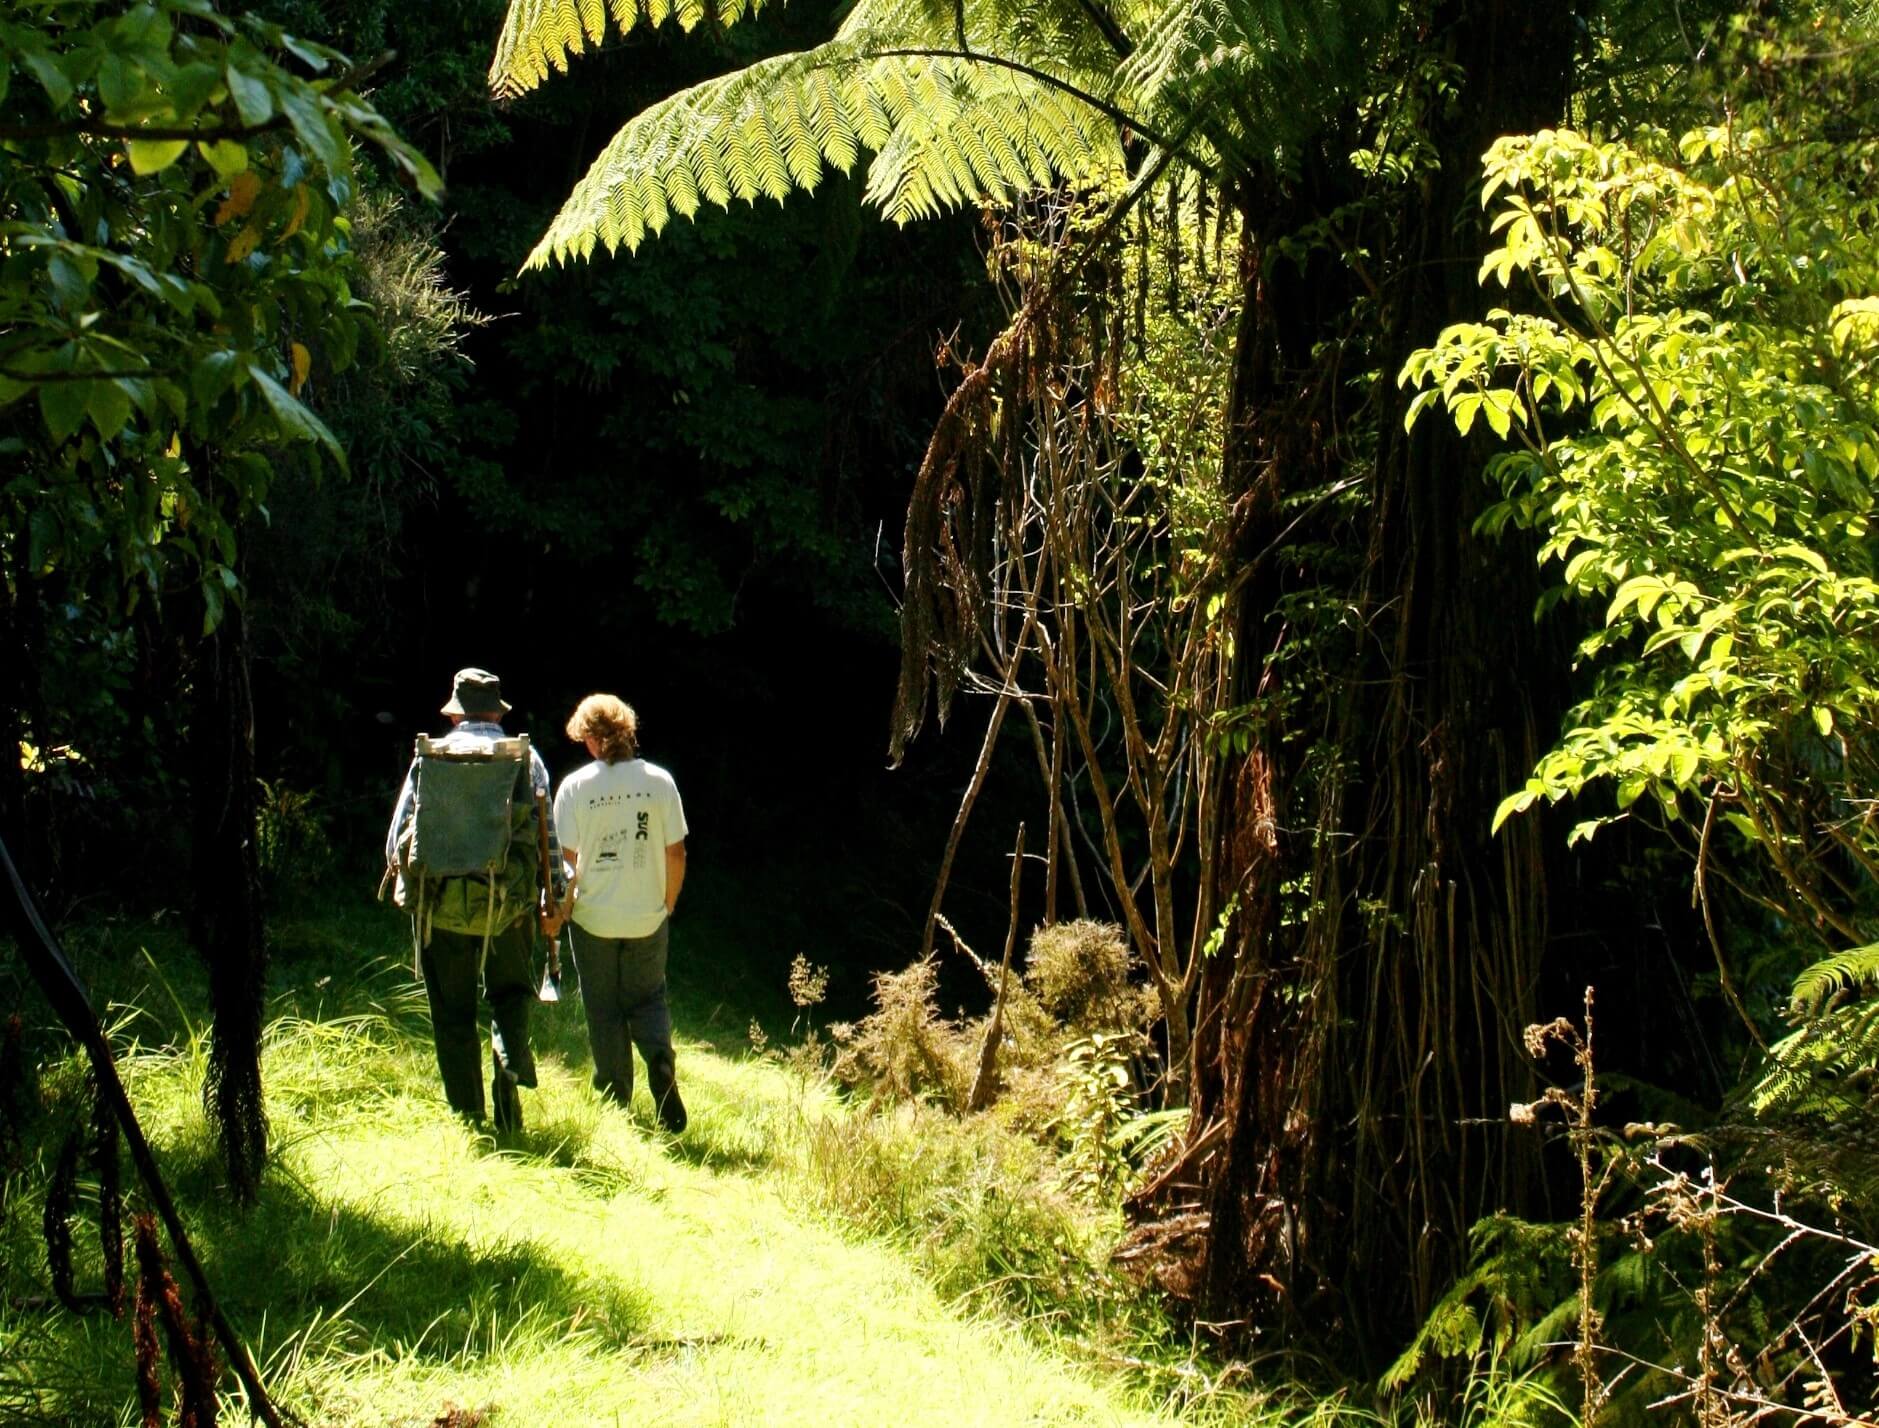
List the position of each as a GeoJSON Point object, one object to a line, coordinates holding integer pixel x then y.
{"type": "Point", "coordinates": [1855, 970]}
{"type": "Point", "coordinates": [540, 35]}
{"type": "Point", "coordinates": [800, 140]}
{"type": "Point", "coordinates": [836, 131]}
{"type": "Point", "coordinates": [944, 133]}
{"type": "Point", "coordinates": [942, 154]}
{"type": "Point", "coordinates": [1824, 1069]}
{"type": "Point", "coordinates": [681, 190]}
{"type": "Point", "coordinates": [1252, 76]}
{"type": "Point", "coordinates": [771, 167]}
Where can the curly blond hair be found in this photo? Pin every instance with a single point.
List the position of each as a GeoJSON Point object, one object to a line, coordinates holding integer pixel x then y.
{"type": "Point", "coordinates": [610, 720]}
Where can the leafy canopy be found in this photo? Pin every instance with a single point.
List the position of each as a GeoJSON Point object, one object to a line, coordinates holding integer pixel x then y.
{"type": "Point", "coordinates": [1696, 407]}
{"type": "Point", "coordinates": [173, 277]}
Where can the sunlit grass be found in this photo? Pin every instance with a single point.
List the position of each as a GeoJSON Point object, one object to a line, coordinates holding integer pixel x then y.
{"type": "Point", "coordinates": [786, 1261]}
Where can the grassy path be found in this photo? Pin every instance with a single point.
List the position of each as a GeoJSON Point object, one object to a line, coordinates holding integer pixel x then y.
{"type": "Point", "coordinates": [593, 1271]}
{"type": "Point", "coordinates": [625, 1277]}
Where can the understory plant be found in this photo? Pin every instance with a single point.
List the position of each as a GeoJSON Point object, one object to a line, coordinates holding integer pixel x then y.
{"type": "Point", "coordinates": [1687, 369]}
{"type": "Point", "coordinates": [1069, 1049]}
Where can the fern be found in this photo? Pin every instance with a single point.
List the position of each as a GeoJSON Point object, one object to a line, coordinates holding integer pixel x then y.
{"type": "Point", "coordinates": [954, 105]}
{"type": "Point", "coordinates": [1856, 970]}
{"type": "Point", "coordinates": [944, 132]}
{"type": "Point", "coordinates": [540, 35]}
{"type": "Point", "coordinates": [1251, 76]}
{"type": "Point", "coordinates": [1826, 1069]}
{"type": "Point", "coordinates": [1828, 1065]}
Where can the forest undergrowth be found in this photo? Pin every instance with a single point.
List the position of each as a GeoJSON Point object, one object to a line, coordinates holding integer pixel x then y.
{"type": "Point", "coordinates": [797, 1256]}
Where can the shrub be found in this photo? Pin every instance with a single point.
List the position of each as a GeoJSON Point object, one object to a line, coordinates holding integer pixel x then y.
{"type": "Point", "coordinates": [1080, 971]}
{"type": "Point", "coordinates": [904, 1049]}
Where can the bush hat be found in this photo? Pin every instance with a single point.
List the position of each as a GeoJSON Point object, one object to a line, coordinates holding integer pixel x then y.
{"type": "Point", "coordinates": [475, 691]}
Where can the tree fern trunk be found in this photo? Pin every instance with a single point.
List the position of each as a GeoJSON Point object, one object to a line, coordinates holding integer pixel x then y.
{"type": "Point", "coordinates": [1355, 1066]}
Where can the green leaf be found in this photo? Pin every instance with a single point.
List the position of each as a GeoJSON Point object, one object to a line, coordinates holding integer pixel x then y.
{"type": "Point", "coordinates": [120, 82]}
{"type": "Point", "coordinates": [63, 404]}
{"type": "Point", "coordinates": [144, 27]}
{"type": "Point", "coordinates": [211, 605]}
{"type": "Point", "coordinates": [71, 280]}
{"type": "Point", "coordinates": [189, 86]}
{"type": "Point", "coordinates": [109, 405]}
{"type": "Point", "coordinates": [1464, 409]}
{"type": "Point", "coordinates": [1509, 806]}
{"type": "Point", "coordinates": [46, 70]}
{"type": "Point", "coordinates": [213, 375]}
{"type": "Point", "coordinates": [315, 128]}
{"type": "Point", "coordinates": [1498, 407]}
{"type": "Point", "coordinates": [226, 156]}
{"type": "Point", "coordinates": [295, 419]}
{"type": "Point", "coordinates": [251, 96]}
{"type": "Point", "coordinates": [151, 156]}
{"type": "Point", "coordinates": [45, 540]}
{"type": "Point", "coordinates": [312, 56]}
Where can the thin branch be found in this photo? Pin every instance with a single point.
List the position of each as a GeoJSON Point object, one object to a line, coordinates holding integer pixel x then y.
{"type": "Point", "coordinates": [1709, 924]}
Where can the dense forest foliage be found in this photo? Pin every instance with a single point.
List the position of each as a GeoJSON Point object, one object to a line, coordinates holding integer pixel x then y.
{"type": "Point", "coordinates": [1350, 524]}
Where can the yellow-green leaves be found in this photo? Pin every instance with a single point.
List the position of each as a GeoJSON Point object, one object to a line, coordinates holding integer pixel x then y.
{"type": "Point", "coordinates": [1693, 402]}
{"type": "Point", "coordinates": [151, 156]}
{"type": "Point", "coordinates": [943, 132]}
{"type": "Point", "coordinates": [540, 36]}
{"type": "Point", "coordinates": [227, 157]}
{"type": "Point", "coordinates": [177, 271]}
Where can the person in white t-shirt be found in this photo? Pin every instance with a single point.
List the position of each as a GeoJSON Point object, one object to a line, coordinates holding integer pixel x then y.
{"type": "Point", "coordinates": [622, 826]}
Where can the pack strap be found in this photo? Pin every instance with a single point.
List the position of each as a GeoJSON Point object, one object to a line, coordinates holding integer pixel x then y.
{"type": "Point", "coordinates": [489, 924]}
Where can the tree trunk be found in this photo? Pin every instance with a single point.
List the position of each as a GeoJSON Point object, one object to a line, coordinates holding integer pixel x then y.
{"type": "Point", "coordinates": [1354, 1069]}
{"type": "Point", "coordinates": [16, 654]}
{"type": "Point", "coordinates": [227, 914]}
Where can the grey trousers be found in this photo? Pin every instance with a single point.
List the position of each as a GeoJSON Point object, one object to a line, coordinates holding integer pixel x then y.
{"type": "Point", "coordinates": [450, 982]}
{"type": "Point", "coordinates": [623, 991]}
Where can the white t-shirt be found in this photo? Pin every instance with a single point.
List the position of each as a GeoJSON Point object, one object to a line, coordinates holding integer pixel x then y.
{"type": "Point", "coordinates": [620, 818]}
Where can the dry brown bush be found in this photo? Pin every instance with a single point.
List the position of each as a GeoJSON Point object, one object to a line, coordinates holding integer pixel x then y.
{"type": "Point", "coordinates": [1080, 972]}
{"type": "Point", "coordinates": [903, 1048]}
{"type": "Point", "coordinates": [1077, 983]}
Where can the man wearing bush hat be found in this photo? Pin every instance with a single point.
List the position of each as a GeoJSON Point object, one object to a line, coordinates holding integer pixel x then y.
{"type": "Point", "coordinates": [451, 959]}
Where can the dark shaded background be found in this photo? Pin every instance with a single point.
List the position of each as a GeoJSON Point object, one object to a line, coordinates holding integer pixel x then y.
{"type": "Point", "coordinates": [679, 476]}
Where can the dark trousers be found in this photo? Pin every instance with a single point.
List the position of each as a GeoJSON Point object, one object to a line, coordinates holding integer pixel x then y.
{"type": "Point", "coordinates": [450, 981]}
{"type": "Point", "coordinates": [623, 991]}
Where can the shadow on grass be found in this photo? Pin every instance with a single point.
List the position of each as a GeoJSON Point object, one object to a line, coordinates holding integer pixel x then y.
{"type": "Point", "coordinates": [410, 1286]}
{"type": "Point", "coordinates": [700, 1147]}
{"type": "Point", "coordinates": [296, 1265]}
{"type": "Point", "coordinates": [397, 1282]}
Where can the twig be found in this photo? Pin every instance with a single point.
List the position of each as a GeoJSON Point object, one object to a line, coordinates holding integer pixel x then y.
{"type": "Point", "coordinates": [985, 1083]}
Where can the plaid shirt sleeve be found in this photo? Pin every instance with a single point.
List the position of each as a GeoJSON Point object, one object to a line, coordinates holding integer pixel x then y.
{"type": "Point", "coordinates": [538, 777]}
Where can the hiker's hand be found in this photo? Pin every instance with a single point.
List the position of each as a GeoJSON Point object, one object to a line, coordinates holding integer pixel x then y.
{"type": "Point", "coordinates": [552, 923]}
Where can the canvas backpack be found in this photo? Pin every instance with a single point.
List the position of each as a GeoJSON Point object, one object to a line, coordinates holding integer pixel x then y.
{"type": "Point", "coordinates": [465, 858]}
